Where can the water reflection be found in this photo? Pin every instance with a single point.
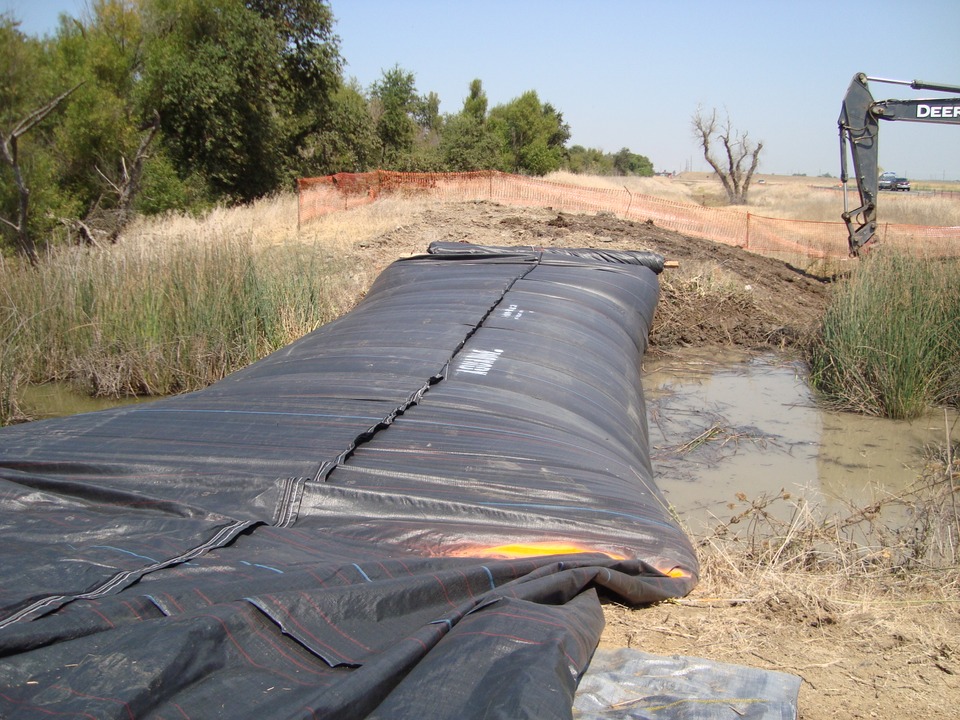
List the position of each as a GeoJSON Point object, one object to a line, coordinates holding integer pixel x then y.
{"type": "Point", "coordinates": [723, 424]}
{"type": "Point", "coordinates": [59, 399]}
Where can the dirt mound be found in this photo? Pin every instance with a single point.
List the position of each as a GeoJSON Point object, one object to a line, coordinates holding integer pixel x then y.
{"type": "Point", "coordinates": [718, 295]}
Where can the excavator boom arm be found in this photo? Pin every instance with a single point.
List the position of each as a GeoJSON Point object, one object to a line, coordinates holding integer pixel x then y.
{"type": "Point", "coordinates": [939, 110]}
{"type": "Point", "coordinates": [859, 128]}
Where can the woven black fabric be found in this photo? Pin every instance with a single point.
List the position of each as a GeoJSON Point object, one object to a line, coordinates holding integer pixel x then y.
{"type": "Point", "coordinates": [407, 513]}
{"type": "Point", "coordinates": [649, 259]}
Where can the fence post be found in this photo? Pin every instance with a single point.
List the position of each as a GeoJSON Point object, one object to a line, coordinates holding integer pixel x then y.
{"type": "Point", "coordinates": [299, 203]}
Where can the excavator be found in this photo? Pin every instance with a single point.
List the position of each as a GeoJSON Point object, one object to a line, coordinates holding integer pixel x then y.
{"type": "Point", "coordinates": [859, 128]}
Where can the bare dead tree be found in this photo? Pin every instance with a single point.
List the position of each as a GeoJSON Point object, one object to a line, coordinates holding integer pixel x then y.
{"type": "Point", "coordinates": [108, 224]}
{"type": "Point", "coordinates": [9, 151]}
{"type": "Point", "coordinates": [738, 150]}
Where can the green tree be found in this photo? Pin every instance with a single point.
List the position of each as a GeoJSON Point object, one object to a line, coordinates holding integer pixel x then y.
{"type": "Point", "coordinates": [596, 162]}
{"type": "Point", "coordinates": [629, 163]}
{"type": "Point", "coordinates": [309, 53]}
{"type": "Point", "coordinates": [309, 65]}
{"type": "Point", "coordinates": [10, 154]}
{"type": "Point", "coordinates": [104, 137]}
{"type": "Point", "coordinates": [467, 142]}
{"type": "Point", "coordinates": [176, 103]}
{"type": "Point", "coordinates": [209, 73]}
{"type": "Point", "coordinates": [475, 104]}
{"type": "Point", "coordinates": [426, 156]}
{"type": "Point", "coordinates": [427, 112]}
{"type": "Point", "coordinates": [239, 86]}
{"type": "Point", "coordinates": [348, 142]}
{"type": "Point", "coordinates": [86, 162]}
{"type": "Point", "coordinates": [589, 161]}
{"type": "Point", "coordinates": [30, 92]}
{"type": "Point", "coordinates": [532, 135]}
{"type": "Point", "coordinates": [395, 104]}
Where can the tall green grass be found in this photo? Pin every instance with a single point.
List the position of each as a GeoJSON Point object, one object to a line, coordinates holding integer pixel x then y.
{"type": "Point", "coordinates": [889, 343]}
{"type": "Point", "coordinates": [144, 320]}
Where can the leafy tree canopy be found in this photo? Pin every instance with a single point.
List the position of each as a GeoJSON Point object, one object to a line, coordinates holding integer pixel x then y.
{"type": "Point", "coordinates": [349, 142]}
{"type": "Point", "coordinates": [629, 163]}
{"type": "Point", "coordinates": [593, 161]}
{"type": "Point", "coordinates": [395, 106]}
{"type": "Point", "coordinates": [208, 72]}
{"type": "Point", "coordinates": [150, 105]}
{"type": "Point", "coordinates": [532, 135]}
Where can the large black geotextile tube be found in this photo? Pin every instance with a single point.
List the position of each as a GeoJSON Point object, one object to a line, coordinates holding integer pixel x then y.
{"type": "Point", "coordinates": [407, 513]}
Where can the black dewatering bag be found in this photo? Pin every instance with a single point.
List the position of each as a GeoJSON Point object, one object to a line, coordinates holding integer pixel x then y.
{"type": "Point", "coordinates": [409, 512]}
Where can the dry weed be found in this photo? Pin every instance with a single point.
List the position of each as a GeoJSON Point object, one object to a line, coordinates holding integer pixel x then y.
{"type": "Point", "coordinates": [865, 616]}
{"type": "Point", "coordinates": [660, 187]}
{"type": "Point", "coordinates": [792, 198]}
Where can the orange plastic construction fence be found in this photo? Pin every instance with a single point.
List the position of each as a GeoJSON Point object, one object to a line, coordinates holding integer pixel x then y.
{"type": "Point", "coordinates": [766, 236]}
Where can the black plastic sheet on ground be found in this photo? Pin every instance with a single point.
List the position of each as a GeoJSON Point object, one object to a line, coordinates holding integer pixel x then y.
{"type": "Point", "coordinates": [405, 514]}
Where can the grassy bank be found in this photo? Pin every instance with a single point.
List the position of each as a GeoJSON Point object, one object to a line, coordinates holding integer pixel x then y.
{"type": "Point", "coordinates": [180, 302]}
{"type": "Point", "coordinates": [163, 321]}
{"type": "Point", "coordinates": [890, 341]}
{"type": "Point", "coordinates": [155, 317]}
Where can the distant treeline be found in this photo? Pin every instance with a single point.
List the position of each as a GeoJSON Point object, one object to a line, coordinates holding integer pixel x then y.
{"type": "Point", "coordinates": [148, 106]}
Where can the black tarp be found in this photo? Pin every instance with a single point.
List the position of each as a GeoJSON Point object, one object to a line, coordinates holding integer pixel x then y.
{"type": "Point", "coordinates": [408, 513]}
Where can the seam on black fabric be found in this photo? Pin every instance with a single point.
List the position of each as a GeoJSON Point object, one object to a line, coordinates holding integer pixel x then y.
{"type": "Point", "coordinates": [414, 398]}
{"type": "Point", "coordinates": [289, 504]}
{"type": "Point", "coordinates": [38, 608]}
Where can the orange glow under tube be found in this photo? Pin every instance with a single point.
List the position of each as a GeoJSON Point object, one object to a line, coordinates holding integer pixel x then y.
{"type": "Point", "coordinates": [537, 549]}
{"type": "Point", "coordinates": [532, 549]}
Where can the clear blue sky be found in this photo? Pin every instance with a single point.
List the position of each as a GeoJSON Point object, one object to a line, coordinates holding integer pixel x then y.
{"type": "Point", "coordinates": [632, 73]}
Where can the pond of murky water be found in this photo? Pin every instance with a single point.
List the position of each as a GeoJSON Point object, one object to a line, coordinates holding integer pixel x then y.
{"type": "Point", "coordinates": [734, 423]}
{"type": "Point", "coordinates": [59, 399]}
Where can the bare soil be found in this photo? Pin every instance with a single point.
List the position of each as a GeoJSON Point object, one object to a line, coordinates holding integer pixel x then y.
{"type": "Point", "coordinates": [878, 646]}
{"type": "Point", "coordinates": [718, 295]}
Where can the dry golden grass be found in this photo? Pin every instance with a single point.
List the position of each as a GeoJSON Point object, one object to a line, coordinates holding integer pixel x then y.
{"type": "Point", "coordinates": [364, 223]}
{"type": "Point", "coordinates": [264, 222]}
{"type": "Point", "coordinates": [866, 612]}
{"type": "Point", "coordinates": [790, 197]}
{"type": "Point", "coordinates": [273, 221]}
{"type": "Point", "coordinates": [661, 187]}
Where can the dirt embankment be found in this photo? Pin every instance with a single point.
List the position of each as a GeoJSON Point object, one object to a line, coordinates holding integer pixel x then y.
{"type": "Point", "coordinates": [718, 295]}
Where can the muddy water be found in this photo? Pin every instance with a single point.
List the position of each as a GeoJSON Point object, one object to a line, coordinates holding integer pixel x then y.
{"type": "Point", "coordinates": [58, 399]}
{"type": "Point", "coordinates": [727, 424]}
